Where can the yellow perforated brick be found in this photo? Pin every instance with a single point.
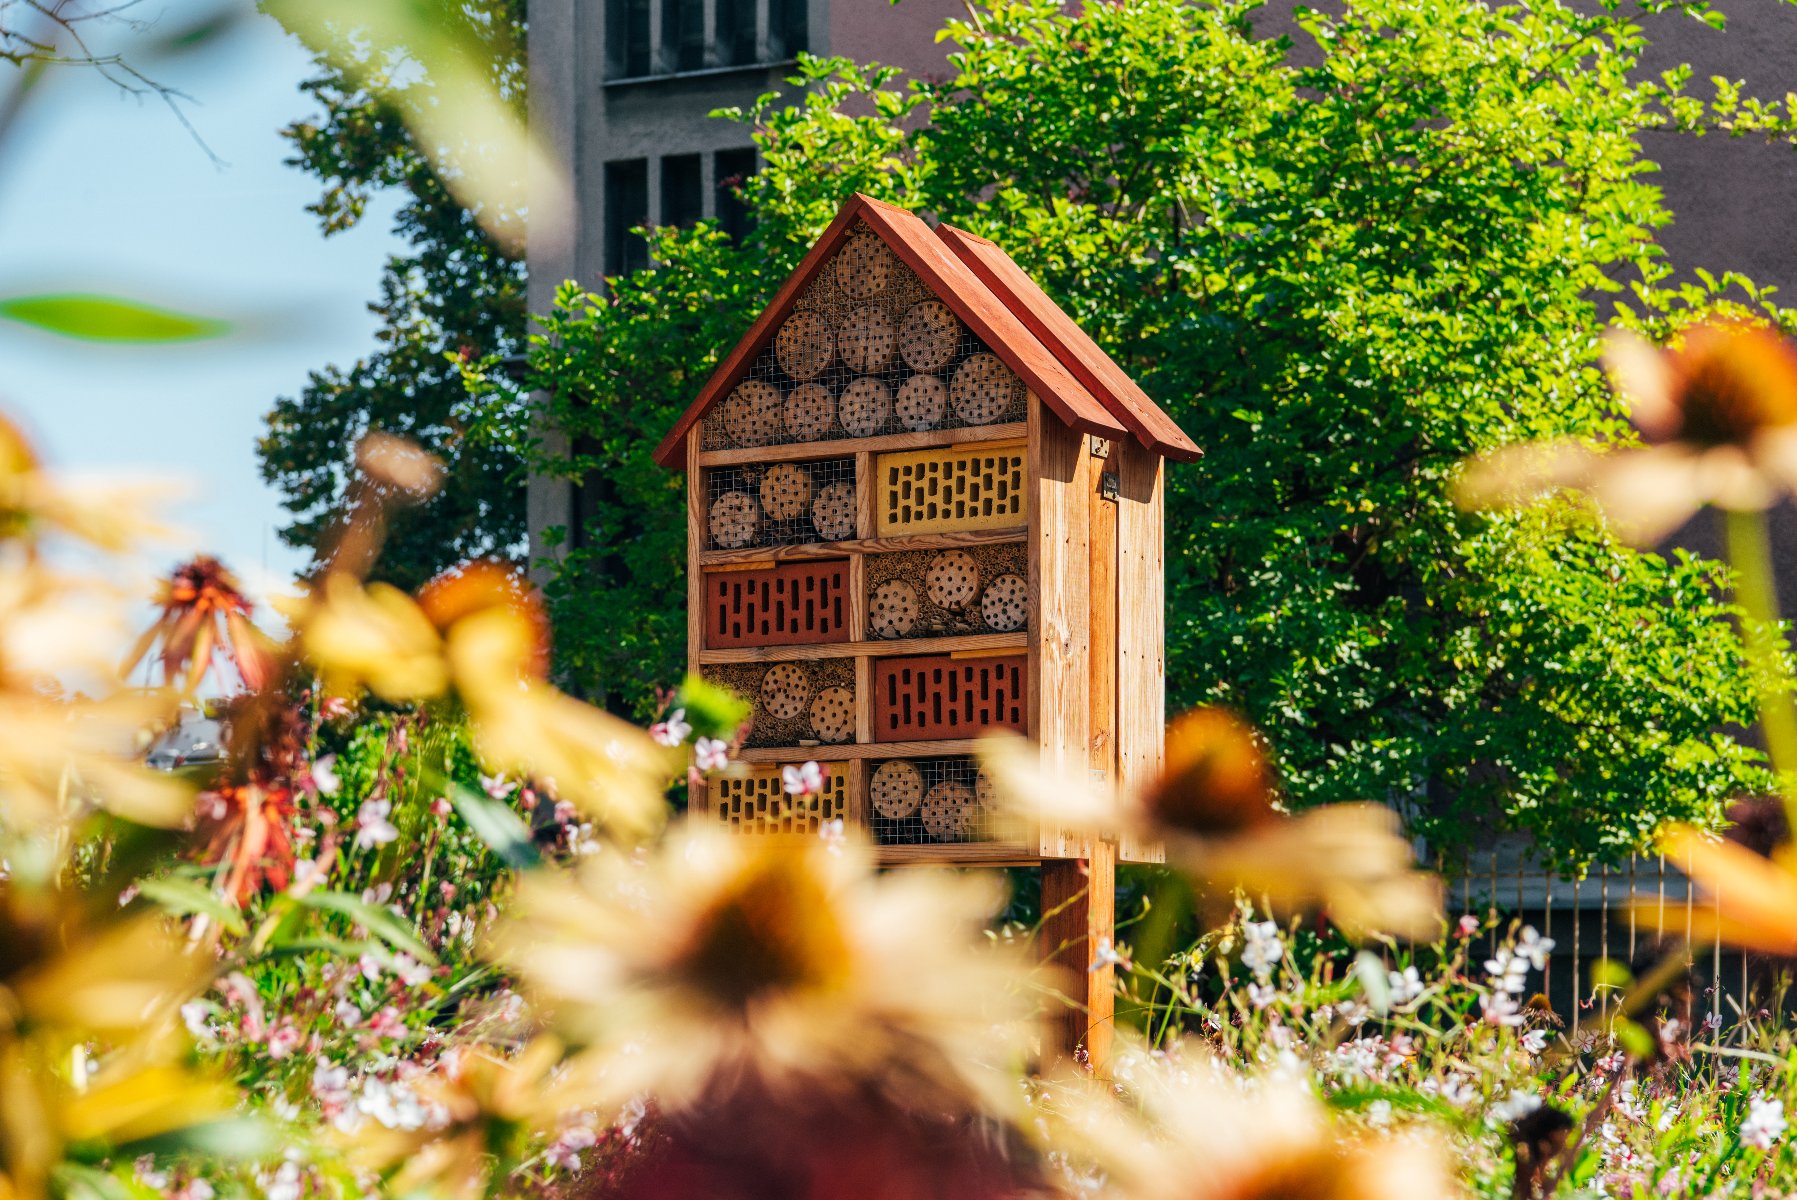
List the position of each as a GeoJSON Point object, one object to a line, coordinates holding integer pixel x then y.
{"type": "Point", "coordinates": [757, 802]}
{"type": "Point", "coordinates": [955, 488]}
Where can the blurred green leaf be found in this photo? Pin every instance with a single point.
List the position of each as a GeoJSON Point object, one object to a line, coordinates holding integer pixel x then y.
{"type": "Point", "coordinates": [97, 318]}
{"type": "Point", "coordinates": [234, 1137]}
{"type": "Point", "coordinates": [378, 921]}
{"type": "Point", "coordinates": [496, 825]}
{"type": "Point", "coordinates": [188, 898]}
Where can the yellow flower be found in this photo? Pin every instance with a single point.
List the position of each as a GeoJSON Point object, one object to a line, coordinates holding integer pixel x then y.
{"type": "Point", "coordinates": [726, 962]}
{"type": "Point", "coordinates": [33, 502]}
{"type": "Point", "coordinates": [372, 636]}
{"type": "Point", "coordinates": [1749, 901]}
{"type": "Point", "coordinates": [53, 752]}
{"type": "Point", "coordinates": [1717, 411]}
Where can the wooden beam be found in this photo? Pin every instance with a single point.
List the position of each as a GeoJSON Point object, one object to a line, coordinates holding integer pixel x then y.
{"type": "Point", "coordinates": [911, 541]}
{"type": "Point", "coordinates": [844, 447]}
{"type": "Point", "coordinates": [1079, 906]}
{"type": "Point", "coordinates": [697, 799]}
{"type": "Point", "coordinates": [971, 645]}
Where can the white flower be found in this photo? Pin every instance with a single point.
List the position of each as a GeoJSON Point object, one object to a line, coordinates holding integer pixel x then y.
{"type": "Point", "coordinates": [1509, 971]}
{"type": "Point", "coordinates": [392, 1104]}
{"type": "Point", "coordinates": [1378, 1113]}
{"type": "Point", "coordinates": [347, 1014]}
{"type": "Point", "coordinates": [372, 826]}
{"type": "Point", "coordinates": [1765, 1123]}
{"type": "Point", "coordinates": [194, 1015]}
{"type": "Point", "coordinates": [1535, 1041]}
{"type": "Point", "coordinates": [1262, 947]}
{"type": "Point", "coordinates": [324, 775]}
{"type": "Point", "coordinates": [497, 786]}
{"type": "Point", "coordinates": [410, 971]}
{"type": "Point", "coordinates": [1405, 986]}
{"type": "Point", "coordinates": [1106, 955]}
{"type": "Point", "coordinates": [370, 966]}
{"type": "Point", "coordinates": [1453, 1089]}
{"type": "Point", "coordinates": [1467, 926]}
{"type": "Point", "coordinates": [1354, 1013]}
{"type": "Point", "coordinates": [564, 1152]}
{"type": "Point", "coordinates": [806, 780]}
{"type": "Point", "coordinates": [1516, 1104]}
{"type": "Point", "coordinates": [283, 1040]}
{"type": "Point", "coordinates": [147, 1174]}
{"type": "Point", "coordinates": [672, 731]}
{"type": "Point", "coordinates": [711, 754]}
{"type": "Point", "coordinates": [284, 1184]}
{"type": "Point", "coordinates": [1500, 1008]}
{"type": "Point", "coordinates": [330, 1084]}
{"type": "Point", "coordinates": [1535, 948]}
{"type": "Point", "coordinates": [1262, 994]}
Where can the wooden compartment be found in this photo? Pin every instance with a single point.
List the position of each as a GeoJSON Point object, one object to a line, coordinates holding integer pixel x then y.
{"type": "Point", "coordinates": [935, 696]}
{"type": "Point", "coordinates": [951, 489]}
{"type": "Point", "coordinates": [755, 800]}
{"type": "Point", "coordinates": [794, 703]}
{"type": "Point", "coordinates": [799, 603]}
{"type": "Point", "coordinates": [952, 592]}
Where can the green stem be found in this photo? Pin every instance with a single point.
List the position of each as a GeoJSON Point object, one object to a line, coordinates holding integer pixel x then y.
{"type": "Point", "coordinates": [1750, 552]}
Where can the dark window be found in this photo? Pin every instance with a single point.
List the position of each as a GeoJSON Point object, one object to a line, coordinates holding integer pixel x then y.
{"type": "Point", "coordinates": [733, 166]}
{"type": "Point", "coordinates": [627, 39]}
{"type": "Point", "coordinates": [682, 195]}
{"type": "Point", "coordinates": [682, 35]}
{"type": "Point", "coordinates": [736, 32]}
{"type": "Point", "coordinates": [788, 30]}
{"type": "Point", "coordinates": [626, 207]}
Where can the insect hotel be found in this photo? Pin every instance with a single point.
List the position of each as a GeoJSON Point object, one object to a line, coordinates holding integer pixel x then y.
{"type": "Point", "coordinates": [924, 505]}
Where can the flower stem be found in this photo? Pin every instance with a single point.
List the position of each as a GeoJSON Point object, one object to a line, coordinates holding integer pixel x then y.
{"type": "Point", "coordinates": [1750, 552]}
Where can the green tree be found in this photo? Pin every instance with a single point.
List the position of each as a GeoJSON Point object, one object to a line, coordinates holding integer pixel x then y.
{"type": "Point", "coordinates": [456, 293]}
{"type": "Point", "coordinates": [1342, 278]}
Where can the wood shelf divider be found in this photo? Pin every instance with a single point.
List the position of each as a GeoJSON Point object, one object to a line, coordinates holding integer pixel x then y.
{"type": "Point", "coordinates": [845, 447]}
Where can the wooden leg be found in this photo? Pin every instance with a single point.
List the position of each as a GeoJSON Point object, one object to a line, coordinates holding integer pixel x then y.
{"type": "Point", "coordinates": [1085, 892]}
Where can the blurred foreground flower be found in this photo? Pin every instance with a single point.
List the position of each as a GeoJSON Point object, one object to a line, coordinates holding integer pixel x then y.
{"type": "Point", "coordinates": [1215, 807]}
{"type": "Point", "coordinates": [1718, 411]}
{"type": "Point", "coordinates": [1749, 901]}
{"type": "Point", "coordinates": [478, 633]}
{"type": "Point", "coordinates": [34, 503]}
{"type": "Point", "coordinates": [1191, 1128]}
{"type": "Point", "coordinates": [729, 965]}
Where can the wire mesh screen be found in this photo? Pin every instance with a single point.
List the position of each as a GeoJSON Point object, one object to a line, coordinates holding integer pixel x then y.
{"type": "Point", "coordinates": [778, 606]}
{"type": "Point", "coordinates": [951, 489]}
{"type": "Point", "coordinates": [780, 504]}
{"type": "Point", "coordinates": [794, 703]}
{"type": "Point", "coordinates": [943, 593]}
{"type": "Point", "coordinates": [929, 801]}
{"type": "Point", "coordinates": [757, 801]}
{"type": "Point", "coordinates": [868, 350]}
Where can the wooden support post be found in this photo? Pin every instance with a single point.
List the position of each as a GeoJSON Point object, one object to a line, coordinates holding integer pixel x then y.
{"type": "Point", "coordinates": [1085, 894]}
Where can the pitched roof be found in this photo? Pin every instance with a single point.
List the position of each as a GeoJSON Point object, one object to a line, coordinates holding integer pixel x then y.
{"type": "Point", "coordinates": [997, 301]}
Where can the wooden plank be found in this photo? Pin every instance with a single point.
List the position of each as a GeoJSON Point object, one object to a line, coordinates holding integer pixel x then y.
{"type": "Point", "coordinates": [864, 700]}
{"type": "Point", "coordinates": [695, 582]}
{"type": "Point", "coordinates": [844, 447]}
{"type": "Point", "coordinates": [1075, 349]}
{"type": "Point", "coordinates": [865, 502]}
{"type": "Point", "coordinates": [991, 854]}
{"type": "Point", "coordinates": [1101, 570]}
{"type": "Point", "coordinates": [1079, 906]}
{"type": "Point", "coordinates": [913, 541]}
{"type": "Point", "coordinates": [947, 748]}
{"type": "Point", "coordinates": [856, 815]}
{"type": "Point", "coordinates": [1060, 559]}
{"type": "Point", "coordinates": [1141, 629]}
{"type": "Point", "coordinates": [968, 645]}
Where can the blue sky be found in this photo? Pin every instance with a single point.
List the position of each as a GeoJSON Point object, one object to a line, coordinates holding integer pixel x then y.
{"type": "Point", "coordinates": [103, 192]}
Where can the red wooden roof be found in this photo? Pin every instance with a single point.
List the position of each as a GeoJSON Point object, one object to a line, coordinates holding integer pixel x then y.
{"type": "Point", "coordinates": [997, 301]}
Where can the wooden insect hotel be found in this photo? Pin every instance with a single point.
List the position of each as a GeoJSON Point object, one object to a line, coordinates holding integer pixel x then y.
{"type": "Point", "coordinates": [923, 505]}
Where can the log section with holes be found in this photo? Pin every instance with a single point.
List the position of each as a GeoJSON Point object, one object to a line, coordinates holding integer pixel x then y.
{"type": "Point", "coordinates": [925, 507]}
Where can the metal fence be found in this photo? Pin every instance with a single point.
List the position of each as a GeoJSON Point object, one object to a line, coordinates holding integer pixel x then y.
{"type": "Point", "coordinates": [1601, 916]}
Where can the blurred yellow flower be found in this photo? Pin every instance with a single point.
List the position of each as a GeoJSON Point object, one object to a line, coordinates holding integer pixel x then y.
{"type": "Point", "coordinates": [33, 502]}
{"type": "Point", "coordinates": [372, 636]}
{"type": "Point", "coordinates": [730, 962]}
{"type": "Point", "coordinates": [1749, 901]}
{"type": "Point", "coordinates": [1718, 412]}
{"type": "Point", "coordinates": [58, 756]}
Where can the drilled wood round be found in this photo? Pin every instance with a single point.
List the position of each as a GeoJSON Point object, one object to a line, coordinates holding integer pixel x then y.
{"type": "Point", "coordinates": [947, 810]}
{"type": "Point", "coordinates": [805, 345]}
{"type": "Point", "coordinates": [922, 403]}
{"type": "Point", "coordinates": [895, 790]}
{"type": "Point", "coordinates": [865, 267]}
{"type": "Point", "coordinates": [735, 517]}
{"type": "Point", "coordinates": [785, 491]}
{"type": "Point", "coordinates": [866, 339]}
{"type": "Point", "coordinates": [833, 512]}
{"type": "Point", "coordinates": [785, 690]}
{"type": "Point", "coordinates": [928, 335]}
{"type": "Point", "coordinates": [892, 609]}
{"type": "Point", "coordinates": [752, 413]}
{"type": "Point", "coordinates": [810, 413]}
{"type": "Point", "coordinates": [984, 389]}
{"type": "Point", "coordinates": [866, 404]}
{"type": "Point", "coordinates": [952, 579]}
{"type": "Point", "coordinates": [833, 715]}
{"type": "Point", "coordinates": [1006, 604]}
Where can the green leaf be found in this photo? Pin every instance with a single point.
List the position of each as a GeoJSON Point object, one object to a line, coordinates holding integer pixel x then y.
{"type": "Point", "coordinates": [189, 898]}
{"type": "Point", "coordinates": [233, 1137]}
{"type": "Point", "coordinates": [108, 319]}
{"type": "Point", "coordinates": [379, 921]}
{"type": "Point", "coordinates": [496, 825]}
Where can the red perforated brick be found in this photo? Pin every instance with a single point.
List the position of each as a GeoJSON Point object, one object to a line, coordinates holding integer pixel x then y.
{"type": "Point", "coordinates": [778, 606]}
{"type": "Point", "coordinates": [935, 696]}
